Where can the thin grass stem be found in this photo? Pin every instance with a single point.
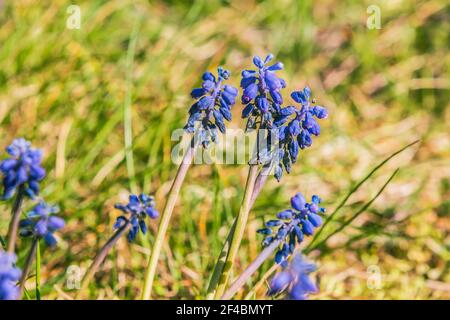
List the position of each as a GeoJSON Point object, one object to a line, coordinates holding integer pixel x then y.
{"type": "Point", "coordinates": [354, 189]}
{"type": "Point", "coordinates": [347, 222]}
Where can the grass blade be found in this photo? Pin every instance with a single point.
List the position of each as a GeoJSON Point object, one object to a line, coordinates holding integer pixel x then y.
{"type": "Point", "coordinates": [354, 189]}
{"type": "Point", "coordinates": [347, 222]}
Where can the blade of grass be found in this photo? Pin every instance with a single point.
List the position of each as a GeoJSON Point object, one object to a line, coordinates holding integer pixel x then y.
{"type": "Point", "coordinates": [355, 188]}
{"type": "Point", "coordinates": [26, 294]}
{"type": "Point", "coordinates": [348, 221]}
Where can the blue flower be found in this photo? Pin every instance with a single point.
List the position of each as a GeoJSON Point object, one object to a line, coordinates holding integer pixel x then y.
{"type": "Point", "coordinates": [139, 207]}
{"type": "Point", "coordinates": [212, 106]}
{"type": "Point", "coordinates": [261, 95]}
{"type": "Point", "coordinates": [294, 280]}
{"type": "Point", "coordinates": [292, 225]}
{"type": "Point", "coordinates": [42, 222]}
{"type": "Point", "coordinates": [296, 128]}
{"type": "Point", "coordinates": [22, 168]}
{"type": "Point", "coordinates": [9, 275]}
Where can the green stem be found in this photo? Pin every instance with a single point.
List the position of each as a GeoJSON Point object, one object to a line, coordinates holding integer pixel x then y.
{"type": "Point", "coordinates": [165, 219]}
{"type": "Point", "coordinates": [218, 268]}
{"type": "Point", "coordinates": [38, 271]}
{"type": "Point", "coordinates": [101, 255]}
{"type": "Point", "coordinates": [27, 266]}
{"type": "Point", "coordinates": [220, 263]}
{"type": "Point", "coordinates": [239, 230]}
{"type": "Point", "coordinates": [14, 224]}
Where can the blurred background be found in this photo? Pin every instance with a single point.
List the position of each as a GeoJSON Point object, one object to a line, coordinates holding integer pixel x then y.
{"type": "Point", "coordinates": [70, 92]}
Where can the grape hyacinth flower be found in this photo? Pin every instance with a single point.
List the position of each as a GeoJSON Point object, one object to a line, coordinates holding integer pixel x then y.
{"type": "Point", "coordinates": [294, 280]}
{"type": "Point", "coordinates": [212, 107]}
{"type": "Point", "coordinates": [9, 275]}
{"type": "Point", "coordinates": [297, 134]}
{"type": "Point", "coordinates": [262, 102]}
{"type": "Point", "coordinates": [261, 95]}
{"type": "Point", "coordinates": [292, 225]}
{"type": "Point", "coordinates": [41, 222]}
{"type": "Point", "coordinates": [139, 207]}
{"type": "Point", "coordinates": [282, 234]}
{"type": "Point", "coordinates": [23, 168]}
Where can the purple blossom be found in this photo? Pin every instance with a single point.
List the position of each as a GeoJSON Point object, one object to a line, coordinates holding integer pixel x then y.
{"type": "Point", "coordinates": [139, 207]}
{"type": "Point", "coordinates": [212, 106]}
{"type": "Point", "coordinates": [294, 280]}
{"type": "Point", "coordinates": [292, 225]}
{"type": "Point", "coordinates": [42, 222]}
{"type": "Point", "coordinates": [9, 275]}
{"type": "Point", "coordinates": [261, 95]}
{"type": "Point", "coordinates": [22, 168]}
{"type": "Point", "coordinates": [296, 128]}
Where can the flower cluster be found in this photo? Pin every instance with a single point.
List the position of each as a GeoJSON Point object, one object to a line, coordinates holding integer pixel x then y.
{"type": "Point", "coordinates": [139, 207]}
{"type": "Point", "coordinates": [297, 133]}
{"type": "Point", "coordinates": [9, 275]}
{"type": "Point", "coordinates": [294, 280]}
{"type": "Point", "coordinates": [261, 95]}
{"type": "Point", "coordinates": [23, 168]}
{"type": "Point", "coordinates": [41, 222]}
{"type": "Point", "coordinates": [292, 225]}
{"type": "Point", "coordinates": [212, 106]}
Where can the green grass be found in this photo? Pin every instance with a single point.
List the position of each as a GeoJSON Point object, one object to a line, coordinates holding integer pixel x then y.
{"type": "Point", "coordinates": [102, 102]}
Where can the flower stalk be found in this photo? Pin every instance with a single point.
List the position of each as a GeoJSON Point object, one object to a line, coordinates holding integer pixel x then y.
{"type": "Point", "coordinates": [165, 219]}
{"type": "Point", "coordinates": [14, 224]}
{"type": "Point", "coordinates": [100, 257]}
{"type": "Point", "coordinates": [27, 266]}
{"type": "Point", "coordinates": [250, 270]}
{"type": "Point", "coordinates": [238, 233]}
{"type": "Point", "coordinates": [260, 181]}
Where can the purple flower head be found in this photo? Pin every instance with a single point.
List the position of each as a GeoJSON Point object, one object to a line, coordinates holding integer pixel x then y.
{"type": "Point", "coordinates": [297, 126]}
{"type": "Point", "coordinates": [212, 106]}
{"type": "Point", "coordinates": [9, 275]}
{"type": "Point", "coordinates": [139, 207]}
{"type": "Point", "coordinates": [22, 168]}
{"type": "Point", "coordinates": [292, 225]}
{"type": "Point", "coordinates": [42, 222]}
{"type": "Point", "coordinates": [294, 280]}
{"type": "Point", "coordinates": [261, 95]}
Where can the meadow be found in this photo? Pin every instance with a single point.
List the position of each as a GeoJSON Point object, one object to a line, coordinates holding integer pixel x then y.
{"type": "Point", "coordinates": [102, 102]}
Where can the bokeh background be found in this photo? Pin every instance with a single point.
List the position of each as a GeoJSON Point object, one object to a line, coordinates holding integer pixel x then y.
{"type": "Point", "coordinates": [71, 93]}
